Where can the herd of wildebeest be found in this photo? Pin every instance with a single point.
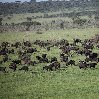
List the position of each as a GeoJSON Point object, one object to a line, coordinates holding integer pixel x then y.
{"type": "Point", "coordinates": [25, 49]}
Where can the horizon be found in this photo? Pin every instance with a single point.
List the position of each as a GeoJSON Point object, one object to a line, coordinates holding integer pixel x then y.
{"type": "Point", "coordinates": [4, 1]}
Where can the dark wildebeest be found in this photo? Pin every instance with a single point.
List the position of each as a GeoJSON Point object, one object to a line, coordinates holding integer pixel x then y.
{"type": "Point", "coordinates": [13, 66]}
{"type": "Point", "coordinates": [5, 58]}
{"type": "Point", "coordinates": [97, 60]}
{"type": "Point", "coordinates": [32, 63]}
{"type": "Point", "coordinates": [77, 41]}
{"type": "Point", "coordinates": [53, 66]}
{"type": "Point", "coordinates": [16, 45]}
{"type": "Point", "coordinates": [48, 48]}
{"type": "Point", "coordinates": [24, 68]}
{"type": "Point", "coordinates": [93, 55]}
{"type": "Point", "coordinates": [27, 43]}
{"type": "Point", "coordinates": [97, 46]}
{"type": "Point", "coordinates": [44, 58]}
{"type": "Point", "coordinates": [83, 64]}
{"type": "Point", "coordinates": [92, 65]}
{"type": "Point", "coordinates": [4, 44]}
{"type": "Point", "coordinates": [11, 51]}
{"type": "Point", "coordinates": [80, 52]}
{"type": "Point", "coordinates": [17, 61]}
{"type": "Point", "coordinates": [53, 59]}
{"type": "Point", "coordinates": [39, 58]}
{"type": "Point", "coordinates": [71, 62]}
{"type": "Point", "coordinates": [44, 55]}
{"type": "Point", "coordinates": [3, 69]}
{"type": "Point", "coordinates": [64, 58]}
{"type": "Point", "coordinates": [87, 52]}
{"type": "Point", "coordinates": [3, 51]}
{"type": "Point", "coordinates": [31, 50]}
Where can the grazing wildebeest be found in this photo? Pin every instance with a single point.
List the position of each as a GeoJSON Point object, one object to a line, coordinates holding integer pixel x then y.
{"type": "Point", "coordinates": [32, 63]}
{"type": "Point", "coordinates": [83, 64]}
{"type": "Point", "coordinates": [92, 65]}
{"type": "Point", "coordinates": [3, 51]}
{"type": "Point", "coordinates": [16, 45]}
{"type": "Point", "coordinates": [39, 58]}
{"type": "Point", "coordinates": [13, 66]}
{"type": "Point", "coordinates": [27, 43]}
{"type": "Point", "coordinates": [4, 44]}
{"type": "Point", "coordinates": [64, 59]}
{"type": "Point", "coordinates": [17, 61]}
{"type": "Point", "coordinates": [44, 58]}
{"type": "Point", "coordinates": [88, 45]}
{"type": "Point", "coordinates": [97, 60]}
{"type": "Point", "coordinates": [52, 66]}
{"type": "Point", "coordinates": [11, 51]}
{"type": "Point", "coordinates": [88, 59]}
{"type": "Point", "coordinates": [93, 55]}
{"type": "Point", "coordinates": [24, 68]}
{"type": "Point", "coordinates": [53, 59]}
{"type": "Point", "coordinates": [71, 62]}
{"type": "Point", "coordinates": [48, 48]}
{"type": "Point", "coordinates": [97, 46]}
{"type": "Point", "coordinates": [31, 50]}
{"type": "Point", "coordinates": [80, 52]}
{"type": "Point", "coordinates": [77, 41]}
{"type": "Point", "coordinates": [3, 69]}
{"type": "Point", "coordinates": [5, 58]}
{"type": "Point", "coordinates": [44, 55]}
{"type": "Point", "coordinates": [87, 52]}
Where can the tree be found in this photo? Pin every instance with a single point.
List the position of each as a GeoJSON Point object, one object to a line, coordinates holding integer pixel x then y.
{"type": "Point", "coordinates": [32, 1]}
{"type": "Point", "coordinates": [1, 21]}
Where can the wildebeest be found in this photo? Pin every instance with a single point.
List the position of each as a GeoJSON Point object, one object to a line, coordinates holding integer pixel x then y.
{"type": "Point", "coordinates": [53, 59]}
{"type": "Point", "coordinates": [70, 62]}
{"type": "Point", "coordinates": [16, 45]}
{"type": "Point", "coordinates": [4, 44]}
{"type": "Point", "coordinates": [44, 55]}
{"type": "Point", "coordinates": [3, 51]}
{"type": "Point", "coordinates": [27, 43]}
{"type": "Point", "coordinates": [48, 48]}
{"type": "Point", "coordinates": [92, 65]}
{"type": "Point", "coordinates": [11, 51]}
{"type": "Point", "coordinates": [93, 55]}
{"type": "Point", "coordinates": [42, 59]}
{"type": "Point", "coordinates": [32, 63]}
{"type": "Point", "coordinates": [39, 58]}
{"type": "Point", "coordinates": [83, 64]}
{"type": "Point", "coordinates": [13, 66]}
{"type": "Point", "coordinates": [97, 46]}
{"type": "Point", "coordinates": [64, 59]}
{"type": "Point", "coordinates": [5, 58]}
{"type": "Point", "coordinates": [87, 45]}
{"type": "Point", "coordinates": [31, 50]}
{"type": "Point", "coordinates": [3, 69]}
{"type": "Point", "coordinates": [87, 52]}
{"type": "Point", "coordinates": [77, 41]}
{"type": "Point", "coordinates": [25, 68]}
{"type": "Point", "coordinates": [17, 61]}
{"type": "Point", "coordinates": [52, 66]}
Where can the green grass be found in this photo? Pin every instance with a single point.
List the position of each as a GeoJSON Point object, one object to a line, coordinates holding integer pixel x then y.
{"type": "Point", "coordinates": [68, 34]}
{"type": "Point", "coordinates": [66, 83]}
{"type": "Point", "coordinates": [62, 84]}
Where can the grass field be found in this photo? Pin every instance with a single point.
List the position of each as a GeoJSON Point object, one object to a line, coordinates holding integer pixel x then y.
{"type": "Point", "coordinates": [66, 83]}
